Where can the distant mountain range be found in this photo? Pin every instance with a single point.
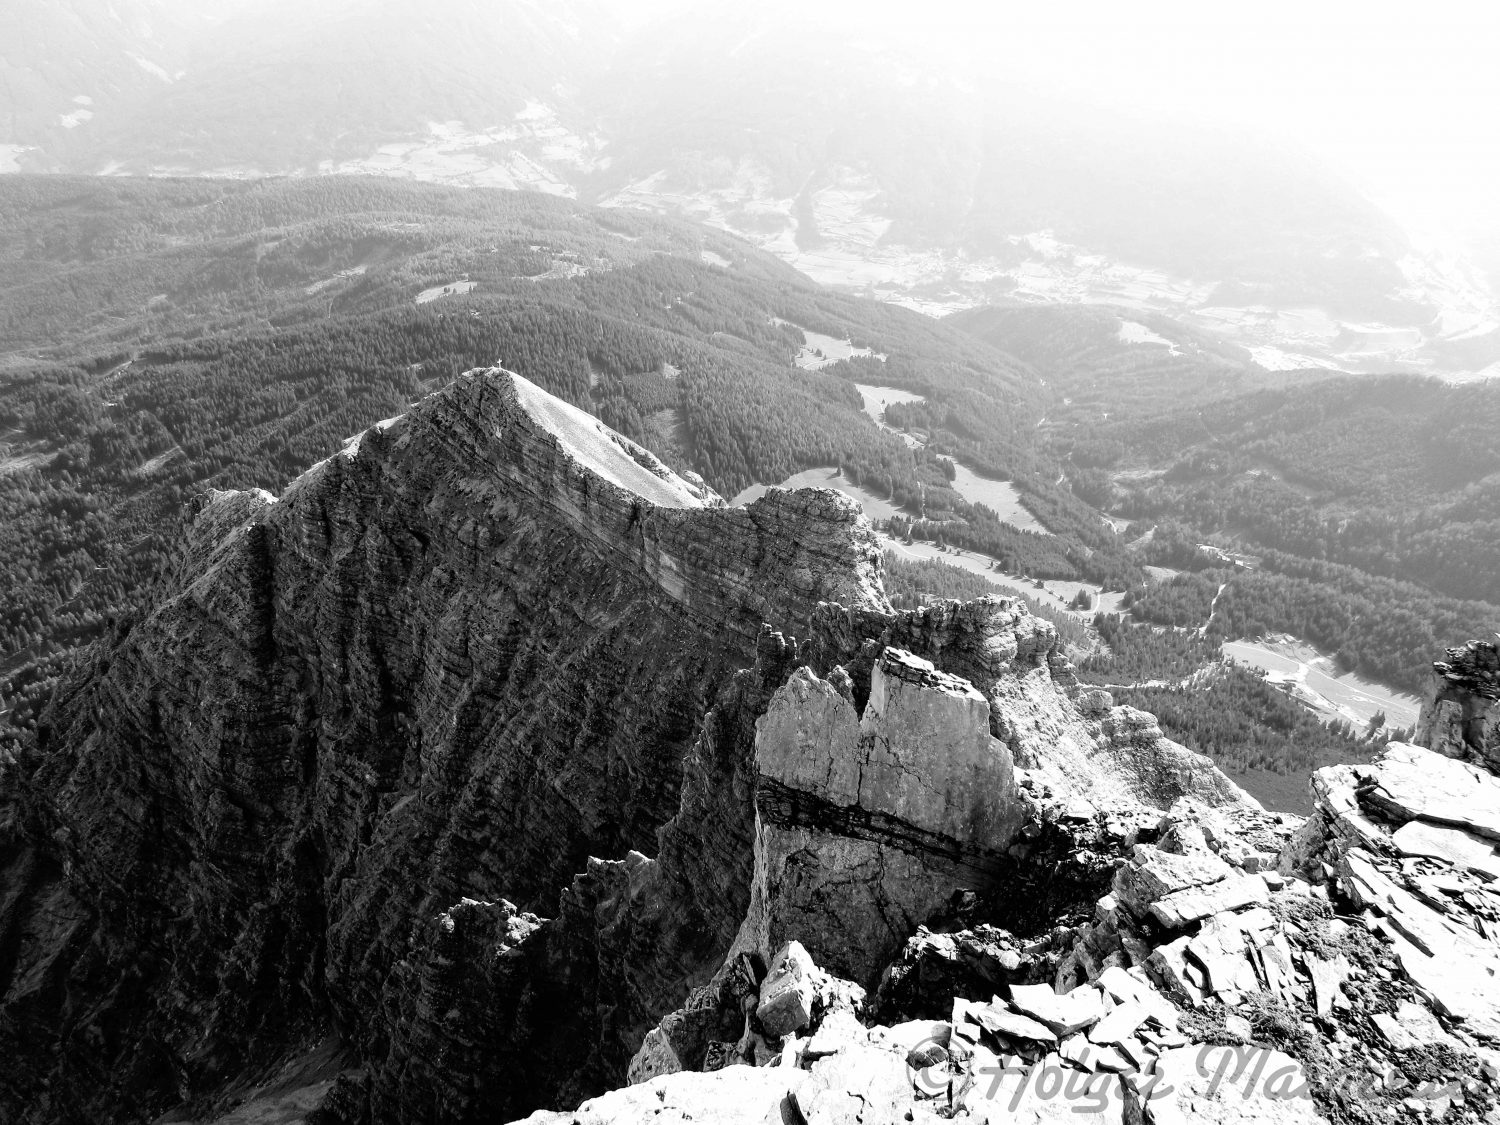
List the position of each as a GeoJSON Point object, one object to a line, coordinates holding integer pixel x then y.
{"type": "Point", "coordinates": [865, 162]}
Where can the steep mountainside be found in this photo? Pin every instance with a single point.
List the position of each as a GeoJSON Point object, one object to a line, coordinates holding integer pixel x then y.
{"type": "Point", "coordinates": [164, 337]}
{"type": "Point", "coordinates": [330, 790]}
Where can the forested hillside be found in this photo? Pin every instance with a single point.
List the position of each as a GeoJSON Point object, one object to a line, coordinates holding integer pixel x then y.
{"type": "Point", "coordinates": [1361, 513]}
{"type": "Point", "coordinates": [1106, 361]}
{"type": "Point", "coordinates": [164, 338]}
{"type": "Point", "coordinates": [159, 339]}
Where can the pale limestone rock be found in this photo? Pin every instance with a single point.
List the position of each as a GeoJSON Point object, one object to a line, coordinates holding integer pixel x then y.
{"type": "Point", "coordinates": [1457, 988]}
{"type": "Point", "coordinates": [861, 1085]}
{"type": "Point", "coordinates": [1229, 1086]}
{"type": "Point", "coordinates": [931, 760]}
{"type": "Point", "coordinates": [1178, 910]}
{"type": "Point", "coordinates": [786, 995]}
{"type": "Point", "coordinates": [736, 1095]}
{"type": "Point", "coordinates": [1168, 965]}
{"type": "Point", "coordinates": [999, 1018]}
{"type": "Point", "coordinates": [1054, 1092]}
{"type": "Point", "coordinates": [1123, 987]}
{"type": "Point", "coordinates": [1074, 1011]}
{"type": "Point", "coordinates": [1327, 976]}
{"type": "Point", "coordinates": [1452, 845]}
{"type": "Point", "coordinates": [1460, 715]}
{"type": "Point", "coordinates": [1153, 874]}
{"type": "Point", "coordinates": [1420, 1023]}
{"type": "Point", "coordinates": [903, 1037]}
{"type": "Point", "coordinates": [838, 1030]}
{"type": "Point", "coordinates": [1119, 1023]}
{"type": "Point", "coordinates": [866, 826]}
{"type": "Point", "coordinates": [1412, 783]}
{"type": "Point", "coordinates": [1226, 949]}
{"type": "Point", "coordinates": [656, 1057]}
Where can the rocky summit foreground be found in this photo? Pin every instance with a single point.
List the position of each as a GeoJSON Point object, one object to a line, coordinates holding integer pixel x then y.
{"type": "Point", "coordinates": [494, 768]}
{"type": "Point", "coordinates": [1240, 966]}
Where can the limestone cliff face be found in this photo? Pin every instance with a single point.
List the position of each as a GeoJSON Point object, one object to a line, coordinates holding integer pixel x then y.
{"type": "Point", "coordinates": [1239, 966]}
{"type": "Point", "coordinates": [867, 824]}
{"type": "Point", "coordinates": [482, 748]}
{"type": "Point", "coordinates": [1460, 714]}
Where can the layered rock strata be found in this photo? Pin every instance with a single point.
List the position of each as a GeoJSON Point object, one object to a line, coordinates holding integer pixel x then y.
{"type": "Point", "coordinates": [1460, 714]}
{"type": "Point", "coordinates": [450, 663]}
{"type": "Point", "coordinates": [1242, 966]}
{"type": "Point", "coordinates": [474, 754]}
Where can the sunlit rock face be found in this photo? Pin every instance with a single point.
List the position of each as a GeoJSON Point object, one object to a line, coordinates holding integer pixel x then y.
{"type": "Point", "coordinates": [868, 824]}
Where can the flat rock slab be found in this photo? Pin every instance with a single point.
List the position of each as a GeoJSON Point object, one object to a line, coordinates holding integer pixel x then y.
{"type": "Point", "coordinates": [1327, 976]}
{"type": "Point", "coordinates": [1460, 988]}
{"type": "Point", "coordinates": [1153, 874]}
{"type": "Point", "coordinates": [997, 1018]}
{"type": "Point", "coordinates": [1411, 783]}
{"type": "Point", "coordinates": [1118, 1023]}
{"type": "Point", "coordinates": [1074, 1011]}
{"type": "Point", "coordinates": [1185, 907]}
{"type": "Point", "coordinates": [1452, 845]}
{"type": "Point", "coordinates": [1168, 964]}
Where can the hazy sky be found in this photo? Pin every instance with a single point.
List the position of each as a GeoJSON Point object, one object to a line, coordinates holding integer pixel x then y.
{"type": "Point", "coordinates": [1403, 98]}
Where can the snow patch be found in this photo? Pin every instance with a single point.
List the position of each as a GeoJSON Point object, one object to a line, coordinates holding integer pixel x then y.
{"type": "Point", "coordinates": [74, 119]}
{"type": "Point", "coordinates": [10, 158]}
{"type": "Point", "coordinates": [527, 154]}
{"type": "Point", "coordinates": [153, 69]}
{"type": "Point", "coordinates": [1133, 332]}
{"type": "Point", "coordinates": [1275, 359]}
{"type": "Point", "coordinates": [602, 451]}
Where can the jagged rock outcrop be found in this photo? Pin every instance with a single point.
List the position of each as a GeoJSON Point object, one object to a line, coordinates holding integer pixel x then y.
{"type": "Point", "coordinates": [1460, 714]}
{"type": "Point", "coordinates": [1242, 966]}
{"type": "Point", "coordinates": [867, 823]}
{"type": "Point", "coordinates": [492, 746]}
{"type": "Point", "coordinates": [1286, 1008]}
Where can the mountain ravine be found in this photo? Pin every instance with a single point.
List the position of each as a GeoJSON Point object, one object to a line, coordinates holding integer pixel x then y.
{"type": "Point", "coordinates": [493, 767]}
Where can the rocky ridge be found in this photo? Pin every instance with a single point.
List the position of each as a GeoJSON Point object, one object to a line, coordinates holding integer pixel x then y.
{"type": "Point", "coordinates": [1241, 966]}
{"type": "Point", "coordinates": [1461, 706]}
{"type": "Point", "coordinates": [493, 766]}
{"type": "Point", "coordinates": [440, 781]}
